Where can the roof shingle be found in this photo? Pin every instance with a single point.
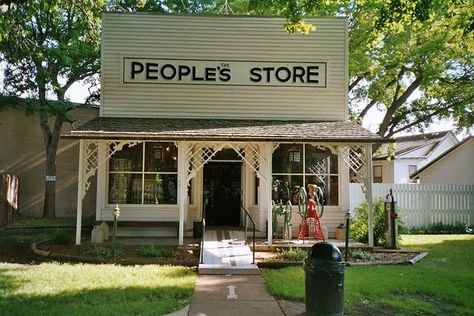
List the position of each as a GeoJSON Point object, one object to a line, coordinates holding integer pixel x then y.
{"type": "Point", "coordinates": [218, 129]}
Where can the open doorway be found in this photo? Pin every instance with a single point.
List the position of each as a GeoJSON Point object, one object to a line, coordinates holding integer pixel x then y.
{"type": "Point", "coordinates": [222, 189]}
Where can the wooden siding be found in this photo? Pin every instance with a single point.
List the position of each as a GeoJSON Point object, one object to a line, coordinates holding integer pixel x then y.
{"type": "Point", "coordinates": [217, 38]}
{"type": "Point", "coordinates": [456, 167]}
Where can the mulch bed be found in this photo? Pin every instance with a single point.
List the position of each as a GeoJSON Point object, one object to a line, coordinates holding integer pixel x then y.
{"type": "Point", "coordinates": [380, 258]}
{"type": "Point", "coordinates": [125, 255]}
{"type": "Point", "coordinates": [189, 256]}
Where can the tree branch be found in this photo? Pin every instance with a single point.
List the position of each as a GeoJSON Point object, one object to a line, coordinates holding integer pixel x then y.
{"type": "Point", "coordinates": [367, 108]}
{"type": "Point", "coordinates": [396, 104]}
{"type": "Point", "coordinates": [355, 82]}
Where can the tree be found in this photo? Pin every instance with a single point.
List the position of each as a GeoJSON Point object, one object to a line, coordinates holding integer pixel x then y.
{"type": "Point", "coordinates": [47, 46]}
{"type": "Point", "coordinates": [413, 60]}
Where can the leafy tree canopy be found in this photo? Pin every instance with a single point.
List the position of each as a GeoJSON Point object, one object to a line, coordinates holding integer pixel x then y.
{"type": "Point", "coordinates": [413, 60]}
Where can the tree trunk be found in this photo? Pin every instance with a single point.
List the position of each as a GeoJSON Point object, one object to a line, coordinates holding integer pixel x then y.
{"type": "Point", "coordinates": [51, 139]}
{"type": "Point", "coordinates": [49, 209]}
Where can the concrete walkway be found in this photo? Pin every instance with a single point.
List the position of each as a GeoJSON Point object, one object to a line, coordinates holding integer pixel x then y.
{"type": "Point", "coordinates": [229, 284]}
{"type": "Point", "coordinates": [230, 295]}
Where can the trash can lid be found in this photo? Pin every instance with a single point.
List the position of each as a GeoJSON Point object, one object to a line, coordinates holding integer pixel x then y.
{"type": "Point", "coordinates": [325, 251]}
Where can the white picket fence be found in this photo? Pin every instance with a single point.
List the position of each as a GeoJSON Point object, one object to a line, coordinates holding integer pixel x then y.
{"type": "Point", "coordinates": [424, 204]}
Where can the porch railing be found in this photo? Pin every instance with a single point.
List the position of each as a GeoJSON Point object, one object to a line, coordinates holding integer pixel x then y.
{"type": "Point", "coordinates": [247, 215]}
{"type": "Point", "coordinates": [203, 221]}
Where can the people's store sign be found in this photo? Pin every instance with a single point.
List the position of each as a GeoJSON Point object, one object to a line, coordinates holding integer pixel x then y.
{"type": "Point", "coordinates": [209, 72]}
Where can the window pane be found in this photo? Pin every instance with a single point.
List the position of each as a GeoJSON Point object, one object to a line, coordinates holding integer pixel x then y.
{"type": "Point", "coordinates": [377, 174]}
{"type": "Point", "coordinates": [288, 158]}
{"type": "Point", "coordinates": [125, 188]}
{"type": "Point", "coordinates": [160, 189]}
{"type": "Point", "coordinates": [292, 182]}
{"type": "Point", "coordinates": [127, 159]}
{"type": "Point", "coordinates": [161, 157]}
{"type": "Point", "coordinates": [330, 191]}
{"type": "Point", "coordinates": [316, 160]}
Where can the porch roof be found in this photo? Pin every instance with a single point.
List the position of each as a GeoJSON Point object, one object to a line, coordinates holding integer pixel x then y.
{"type": "Point", "coordinates": [222, 129]}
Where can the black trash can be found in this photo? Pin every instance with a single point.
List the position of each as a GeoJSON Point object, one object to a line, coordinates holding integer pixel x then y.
{"type": "Point", "coordinates": [324, 280]}
{"type": "Point", "coordinates": [197, 229]}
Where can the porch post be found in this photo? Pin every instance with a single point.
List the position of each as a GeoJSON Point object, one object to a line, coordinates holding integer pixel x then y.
{"type": "Point", "coordinates": [266, 194]}
{"type": "Point", "coordinates": [368, 193]}
{"type": "Point", "coordinates": [182, 187]}
{"type": "Point", "coordinates": [80, 190]}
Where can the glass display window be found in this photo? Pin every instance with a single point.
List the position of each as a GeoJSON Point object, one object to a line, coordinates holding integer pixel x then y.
{"type": "Point", "coordinates": [144, 174]}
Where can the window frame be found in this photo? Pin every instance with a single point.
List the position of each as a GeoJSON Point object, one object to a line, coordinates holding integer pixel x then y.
{"type": "Point", "coordinates": [381, 174]}
{"type": "Point", "coordinates": [143, 174]}
{"type": "Point", "coordinates": [305, 174]}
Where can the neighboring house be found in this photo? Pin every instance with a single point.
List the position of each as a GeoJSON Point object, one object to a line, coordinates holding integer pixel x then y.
{"type": "Point", "coordinates": [411, 154]}
{"type": "Point", "coordinates": [22, 153]}
{"type": "Point", "coordinates": [454, 166]}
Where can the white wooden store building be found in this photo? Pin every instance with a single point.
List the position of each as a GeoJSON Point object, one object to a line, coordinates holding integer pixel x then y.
{"type": "Point", "coordinates": [213, 107]}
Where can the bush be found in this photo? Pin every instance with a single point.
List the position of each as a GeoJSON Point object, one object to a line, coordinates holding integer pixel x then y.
{"type": "Point", "coordinates": [294, 254]}
{"type": "Point", "coordinates": [359, 228]}
{"type": "Point", "coordinates": [62, 237]}
{"type": "Point", "coordinates": [440, 228]}
{"type": "Point", "coordinates": [103, 252]}
{"type": "Point", "coordinates": [362, 254]}
{"type": "Point", "coordinates": [152, 251]}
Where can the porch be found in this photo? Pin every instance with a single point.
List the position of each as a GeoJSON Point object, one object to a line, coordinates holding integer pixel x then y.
{"type": "Point", "coordinates": [198, 142]}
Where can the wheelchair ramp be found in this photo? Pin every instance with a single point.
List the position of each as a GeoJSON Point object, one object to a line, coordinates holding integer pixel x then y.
{"type": "Point", "coordinates": [225, 252]}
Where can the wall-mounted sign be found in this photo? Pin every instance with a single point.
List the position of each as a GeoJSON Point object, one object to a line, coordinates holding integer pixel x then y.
{"type": "Point", "coordinates": [248, 73]}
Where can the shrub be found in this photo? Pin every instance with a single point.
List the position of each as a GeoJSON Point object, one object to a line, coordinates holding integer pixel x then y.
{"type": "Point", "coordinates": [152, 251]}
{"type": "Point", "coordinates": [62, 237]}
{"type": "Point", "coordinates": [362, 254]}
{"type": "Point", "coordinates": [359, 227]}
{"type": "Point", "coordinates": [293, 254]}
{"type": "Point", "coordinates": [103, 252]}
{"type": "Point", "coordinates": [440, 228]}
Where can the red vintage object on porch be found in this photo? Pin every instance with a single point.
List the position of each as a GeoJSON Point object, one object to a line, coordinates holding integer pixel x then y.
{"type": "Point", "coordinates": [310, 225]}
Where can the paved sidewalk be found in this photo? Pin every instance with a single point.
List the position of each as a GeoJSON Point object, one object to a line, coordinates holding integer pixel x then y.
{"type": "Point", "coordinates": [229, 295]}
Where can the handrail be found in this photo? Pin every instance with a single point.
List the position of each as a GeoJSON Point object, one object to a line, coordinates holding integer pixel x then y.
{"type": "Point", "coordinates": [253, 237]}
{"type": "Point", "coordinates": [203, 221]}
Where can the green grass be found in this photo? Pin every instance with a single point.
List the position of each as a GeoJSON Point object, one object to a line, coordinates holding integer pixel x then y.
{"type": "Point", "coordinates": [85, 289]}
{"type": "Point", "coordinates": [441, 284]}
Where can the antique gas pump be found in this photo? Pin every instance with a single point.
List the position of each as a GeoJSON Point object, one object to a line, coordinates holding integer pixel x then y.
{"type": "Point", "coordinates": [391, 225]}
{"type": "Point", "coordinates": [281, 207]}
{"type": "Point", "coordinates": [310, 225]}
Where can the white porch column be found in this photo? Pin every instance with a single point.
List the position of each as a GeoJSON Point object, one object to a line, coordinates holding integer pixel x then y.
{"type": "Point", "coordinates": [80, 191]}
{"type": "Point", "coordinates": [265, 186]}
{"type": "Point", "coordinates": [182, 186]}
{"type": "Point", "coordinates": [368, 193]}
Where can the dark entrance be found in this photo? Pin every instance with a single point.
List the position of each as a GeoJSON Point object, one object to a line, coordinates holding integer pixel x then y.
{"type": "Point", "coordinates": [222, 190]}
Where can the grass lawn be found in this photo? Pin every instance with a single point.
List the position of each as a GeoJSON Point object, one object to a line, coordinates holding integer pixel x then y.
{"type": "Point", "coordinates": [86, 289]}
{"type": "Point", "coordinates": [441, 284]}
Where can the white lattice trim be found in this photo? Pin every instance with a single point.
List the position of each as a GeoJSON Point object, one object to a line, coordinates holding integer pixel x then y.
{"type": "Point", "coordinates": [92, 161]}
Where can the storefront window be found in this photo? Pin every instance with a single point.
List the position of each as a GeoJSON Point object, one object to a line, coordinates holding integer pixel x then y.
{"type": "Point", "coordinates": [288, 158]}
{"type": "Point", "coordinates": [300, 165]}
{"type": "Point", "coordinates": [144, 174]}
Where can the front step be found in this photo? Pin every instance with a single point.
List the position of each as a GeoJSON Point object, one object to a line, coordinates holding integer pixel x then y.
{"type": "Point", "coordinates": [225, 252]}
{"type": "Point", "coordinates": [208, 270]}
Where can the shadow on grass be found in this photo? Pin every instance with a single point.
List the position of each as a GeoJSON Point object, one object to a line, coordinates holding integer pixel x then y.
{"type": "Point", "coordinates": [9, 282]}
{"type": "Point", "coordinates": [107, 301]}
